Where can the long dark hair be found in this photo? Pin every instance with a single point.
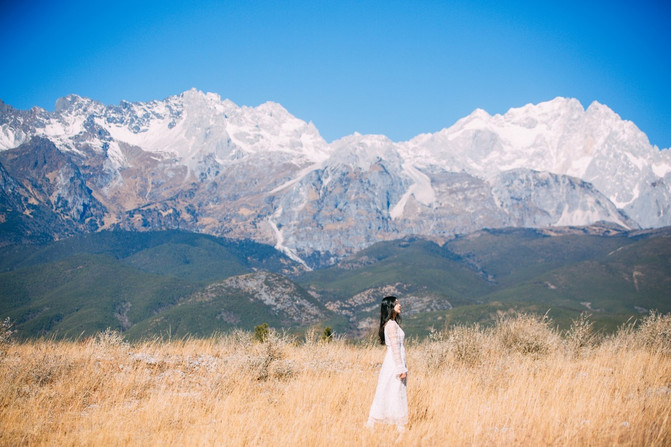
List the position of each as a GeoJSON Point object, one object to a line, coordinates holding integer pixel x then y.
{"type": "Point", "coordinates": [386, 314]}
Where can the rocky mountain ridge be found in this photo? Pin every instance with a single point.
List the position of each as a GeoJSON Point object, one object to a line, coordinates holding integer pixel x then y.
{"type": "Point", "coordinates": [270, 289]}
{"type": "Point", "coordinates": [199, 163]}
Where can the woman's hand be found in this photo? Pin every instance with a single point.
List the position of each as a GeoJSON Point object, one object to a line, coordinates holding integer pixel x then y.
{"type": "Point", "coordinates": [402, 376]}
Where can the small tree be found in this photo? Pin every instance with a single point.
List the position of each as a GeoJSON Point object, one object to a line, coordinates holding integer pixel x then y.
{"type": "Point", "coordinates": [327, 334]}
{"type": "Point", "coordinates": [261, 332]}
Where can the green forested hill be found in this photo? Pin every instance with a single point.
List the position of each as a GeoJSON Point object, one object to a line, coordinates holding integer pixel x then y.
{"type": "Point", "coordinates": [82, 294]}
{"type": "Point", "coordinates": [147, 284]}
{"type": "Point", "coordinates": [197, 257]}
{"type": "Point", "coordinates": [117, 279]}
{"type": "Point", "coordinates": [418, 264]}
{"type": "Point", "coordinates": [611, 274]}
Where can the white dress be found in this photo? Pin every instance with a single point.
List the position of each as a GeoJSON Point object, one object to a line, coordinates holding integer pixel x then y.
{"type": "Point", "coordinates": [390, 405]}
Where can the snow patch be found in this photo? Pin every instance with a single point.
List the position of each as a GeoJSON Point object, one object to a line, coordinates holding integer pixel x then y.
{"type": "Point", "coordinates": [9, 138]}
{"type": "Point", "coordinates": [520, 136]}
{"type": "Point", "coordinates": [421, 189]}
{"type": "Point", "coordinates": [635, 194]}
{"type": "Point", "coordinates": [661, 169]}
{"type": "Point", "coordinates": [301, 174]}
{"type": "Point", "coordinates": [115, 155]}
{"type": "Point", "coordinates": [586, 215]}
{"type": "Point", "coordinates": [636, 161]}
{"type": "Point", "coordinates": [579, 166]}
{"type": "Point", "coordinates": [279, 244]}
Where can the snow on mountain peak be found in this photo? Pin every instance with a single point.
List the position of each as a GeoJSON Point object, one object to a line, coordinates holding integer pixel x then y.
{"type": "Point", "coordinates": [199, 162]}
{"type": "Point", "coordinates": [194, 124]}
{"type": "Point", "coordinates": [204, 132]}
{"type": "Point", "coordinates": [597, 108]}
{"type": "Point", "coordinates": [271, 107]}
{"type": "Point", "coordinates": [557, 136]}
{"type": "Point", "coordinates": [76, 104]}
{"type": "Point", "coordinates": [477, 118]}
{"type": "Point", "coordinates": [363, 151]}
{"type": "Point", "coordinates": [559, 104]}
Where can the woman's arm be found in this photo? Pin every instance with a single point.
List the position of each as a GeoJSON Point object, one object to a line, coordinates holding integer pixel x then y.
{"type": "Point", "coordinates": [391, 334]}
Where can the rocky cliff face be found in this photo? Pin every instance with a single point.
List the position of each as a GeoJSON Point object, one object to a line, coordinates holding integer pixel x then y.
{"type": "Point", "coordinates": [44, 193]}
{"type": "Point", "coordinates": [563, 138]}
{"type": "Point", "coordinates": [200, 163]}
{"type": "Point", "coordinates": [291, 304]}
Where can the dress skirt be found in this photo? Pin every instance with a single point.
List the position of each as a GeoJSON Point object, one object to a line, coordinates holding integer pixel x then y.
{"type": "Point", "coordinates": [390, 404]}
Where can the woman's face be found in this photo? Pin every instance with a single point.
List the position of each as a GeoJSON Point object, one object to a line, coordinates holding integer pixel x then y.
{"type": "Point", "coordinates": [397, 307]}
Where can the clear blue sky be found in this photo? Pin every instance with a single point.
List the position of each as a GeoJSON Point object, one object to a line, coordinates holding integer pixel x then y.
{"type": "Point", "coordinates": [397, 68]}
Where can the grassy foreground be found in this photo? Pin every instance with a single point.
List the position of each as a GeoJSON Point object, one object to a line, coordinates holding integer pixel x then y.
{"type": "Point", "coordinates": [518, 383]}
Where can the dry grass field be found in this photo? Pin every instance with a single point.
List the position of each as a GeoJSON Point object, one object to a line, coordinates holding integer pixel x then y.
{"type": "Point", "coordinates": [518, 383]}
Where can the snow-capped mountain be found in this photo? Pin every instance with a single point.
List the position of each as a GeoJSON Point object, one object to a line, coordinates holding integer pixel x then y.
{"type": "Point", "coordinates": [561, 137]}
{"type": "Point", "coordinates": [200, 163]}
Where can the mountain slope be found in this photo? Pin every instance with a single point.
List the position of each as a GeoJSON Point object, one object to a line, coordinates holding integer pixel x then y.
{"type": "Point", "coordinates": [196, 257]}
{"type": "Point", "coordinates": [198, 163]}
{"type": "Point", "coordinates": [171, 283]}
{"type": "Point", "coordinates": [114, 279]}
{"type": "Point", "coordinates": [243, 301]}
{"type": "Point", "coordinates": [610, 274]}
{"type": "Point", "coordinates": [40, 179]}
{"type": "Point", "coordinates": [561, 137]}
{"type": "Point", "coordinates": [84, 294]}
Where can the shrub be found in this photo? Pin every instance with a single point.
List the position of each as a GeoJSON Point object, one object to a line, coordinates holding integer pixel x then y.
{"type": "Point", "coordinates": [434, 351]}
{"type": "Point", "coordinates": [110, 338]}
{"type": "Point", "coordinates": [311, 335]}
{"type": "Point", "coordinates": [467, 344]}
{"type": "Point", "coordinates": [268, 361]}
{"type": "Point", "coordinates": [327, 335]}
{"type": "Point", "coordinates": [527, 334]}
{"type": "Point", "coordinates": [580, 336]}
{"type": "Point", "coordinates": [261, 332]}
{"type": "Point", "coordinates": [654, 333]}
{"type": "Point", "coordinates": [238, 339]}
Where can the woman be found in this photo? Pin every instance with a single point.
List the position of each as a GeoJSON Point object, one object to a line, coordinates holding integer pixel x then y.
{"type": "Point", "coordinates": [390, 405]}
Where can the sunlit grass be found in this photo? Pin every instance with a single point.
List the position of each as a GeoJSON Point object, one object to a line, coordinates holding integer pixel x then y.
{"type": "Point", "coordinates": [518, 383]}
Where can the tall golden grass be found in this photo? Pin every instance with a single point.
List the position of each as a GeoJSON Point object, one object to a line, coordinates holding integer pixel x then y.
{"type": "Point", "coordinates": [518, 383]}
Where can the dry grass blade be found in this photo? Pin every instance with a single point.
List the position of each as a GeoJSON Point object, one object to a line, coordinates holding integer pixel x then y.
{"type": "Point", "coordinates": [518, 383]}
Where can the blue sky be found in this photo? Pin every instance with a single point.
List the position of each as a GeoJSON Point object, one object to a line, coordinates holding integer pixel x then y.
{"type": "Point", "coordinates": [397, 68]}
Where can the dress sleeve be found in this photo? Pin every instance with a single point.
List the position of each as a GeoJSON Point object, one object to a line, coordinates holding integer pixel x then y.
{"type": "Point", "coordinates": [391, 335]}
